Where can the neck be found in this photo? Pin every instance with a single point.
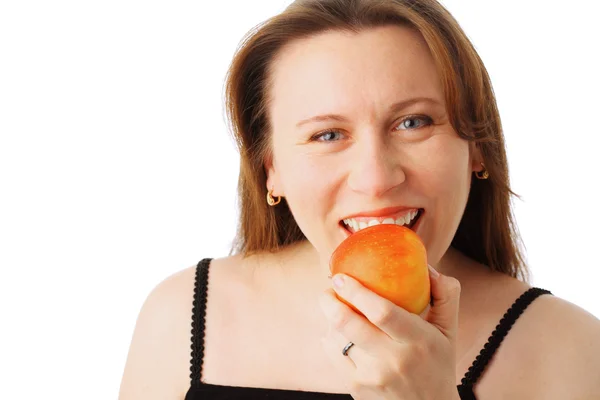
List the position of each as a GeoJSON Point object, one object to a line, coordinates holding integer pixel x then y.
{"type": "Point", "coordinates": [302, 263]}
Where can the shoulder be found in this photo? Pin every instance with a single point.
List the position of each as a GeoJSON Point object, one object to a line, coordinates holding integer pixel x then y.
{"type": "Point", "coordinates": [550, 353]}
{"type": "Point", "coordinates": [569, 350]}
{"type": "Point", "coordinates": [157, 364]}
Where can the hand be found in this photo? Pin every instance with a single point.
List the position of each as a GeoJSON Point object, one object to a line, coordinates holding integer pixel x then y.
{"type": "Point", "coordinates": [396, 354]}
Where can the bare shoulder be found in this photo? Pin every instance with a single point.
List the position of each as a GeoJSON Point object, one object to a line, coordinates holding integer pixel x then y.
{"type": "Point", "coordinates": [551, 352]}
{"type": "Point", "coordinates": [157, 365]}
{"type": "Point", "coordinates": [569, 348]}
{"type": "Point", "coordinates": [158, 362]}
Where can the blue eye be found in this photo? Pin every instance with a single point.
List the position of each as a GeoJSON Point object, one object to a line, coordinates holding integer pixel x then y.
{"type": "Point", "coordinates": [326, 136]}
{"type": "Point", "coordinates": [427, 120]}
{"type": "Point", "coordinates": [410, 123]}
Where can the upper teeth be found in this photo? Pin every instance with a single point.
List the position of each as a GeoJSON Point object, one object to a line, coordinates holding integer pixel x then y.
{"type": "Point", "coordinates": [356, 226]}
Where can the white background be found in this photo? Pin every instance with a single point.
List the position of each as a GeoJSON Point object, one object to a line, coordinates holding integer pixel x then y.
{"type": "Point", "coordinates": [117, 170]}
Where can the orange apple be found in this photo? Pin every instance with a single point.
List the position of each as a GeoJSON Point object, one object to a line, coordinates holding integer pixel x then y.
{"type": "Point", "coordinates": [388, 259]}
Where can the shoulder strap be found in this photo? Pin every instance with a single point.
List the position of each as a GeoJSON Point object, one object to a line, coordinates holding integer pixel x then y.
{"type": "Point", "coordinates": [199, 319]}
{"type": "Point", "coordinates": [507, 321]}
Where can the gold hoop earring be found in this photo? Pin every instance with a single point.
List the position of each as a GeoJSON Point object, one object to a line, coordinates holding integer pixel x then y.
{"type": "Point", "coordinates": [271, 201]}
{"type": "Point", "coordinates": [482, 174]}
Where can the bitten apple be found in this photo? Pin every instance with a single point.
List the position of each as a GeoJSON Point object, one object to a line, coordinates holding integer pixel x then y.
{"type": "Point", "coordinates": [390, 260]}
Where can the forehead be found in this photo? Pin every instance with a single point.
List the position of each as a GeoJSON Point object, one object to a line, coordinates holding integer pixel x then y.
{"type": "Point", "coordinates": [342, 71]}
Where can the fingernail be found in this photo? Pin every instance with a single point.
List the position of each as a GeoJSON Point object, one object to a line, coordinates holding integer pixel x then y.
{"type": "Point", "coordinates": [338, 281]}
{"type": "Point", "coordinates": [433, 271]}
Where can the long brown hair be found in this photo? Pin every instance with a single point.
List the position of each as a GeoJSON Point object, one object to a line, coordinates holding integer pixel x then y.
{"type": "Point", "coordinates": [487, 232]}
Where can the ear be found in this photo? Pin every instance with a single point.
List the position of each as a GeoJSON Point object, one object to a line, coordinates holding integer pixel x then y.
{"type": "Point", "coordinates": [476, 157]}
{"type": "Point", "coordinates": [272, 177]}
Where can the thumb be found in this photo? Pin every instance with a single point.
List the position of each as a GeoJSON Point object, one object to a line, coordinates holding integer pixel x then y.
{"type": "Point", "coordinates": [445, 294]}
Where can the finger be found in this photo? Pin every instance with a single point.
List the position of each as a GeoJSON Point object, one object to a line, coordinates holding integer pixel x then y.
{"type": "Point", "coordinates": [443, 314]}
{"type": "Point", "coordinates": [424, 313]}
{"type": "Point", "coordinates": [394, 321]}
{"type": "Point", "coordinates": [343, 367]}
{"type": "Point", "coordinates": [333, 344]}
{"type": "Point", "coordinates": [355, 353]}
{"type": "Point", "coordinates": [351, 325]}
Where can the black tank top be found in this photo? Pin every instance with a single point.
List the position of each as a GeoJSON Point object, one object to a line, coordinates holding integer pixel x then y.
{"type": "Point", "coordinates": [199, 390]}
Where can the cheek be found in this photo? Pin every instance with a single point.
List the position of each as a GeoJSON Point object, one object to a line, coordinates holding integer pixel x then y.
{"type": "Point", "coordinates": [443, 166]}
{"type": "Point", "coordinates": [309, 182]}
{"type": "Point", "coordinates": [311, 190]}
{"type": "Point", "coordinates": [443, 179]}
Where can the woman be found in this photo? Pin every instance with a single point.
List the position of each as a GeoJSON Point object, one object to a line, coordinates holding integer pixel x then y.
{"type": "Point", "coordinates": [350, 113]}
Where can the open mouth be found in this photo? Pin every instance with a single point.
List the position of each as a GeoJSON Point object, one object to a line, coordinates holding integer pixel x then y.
{"type": "Point", "coordinates": [410, 220]}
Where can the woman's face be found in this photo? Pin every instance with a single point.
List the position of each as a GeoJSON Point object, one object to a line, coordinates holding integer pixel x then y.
{"type": "Point", "coordinates": [360, 133]}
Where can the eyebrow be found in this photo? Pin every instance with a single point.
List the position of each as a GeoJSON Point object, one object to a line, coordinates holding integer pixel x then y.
{"type": "Point", "coordinates": [393, 108]}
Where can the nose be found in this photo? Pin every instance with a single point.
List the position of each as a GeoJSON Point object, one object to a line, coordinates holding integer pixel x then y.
{"type": "Point", "coordinates": [376, 167]}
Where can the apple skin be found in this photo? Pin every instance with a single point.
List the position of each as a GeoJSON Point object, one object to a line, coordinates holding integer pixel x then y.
{"type": "Point", "coordinates": [390, 260]}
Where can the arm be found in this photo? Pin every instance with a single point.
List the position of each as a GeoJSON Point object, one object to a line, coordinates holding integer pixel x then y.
{"type": "Point", "coordinates": [158, 361]}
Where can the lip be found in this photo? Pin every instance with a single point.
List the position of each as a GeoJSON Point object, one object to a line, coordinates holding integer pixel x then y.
{"type": "Point", "coordinates": [382, 212]}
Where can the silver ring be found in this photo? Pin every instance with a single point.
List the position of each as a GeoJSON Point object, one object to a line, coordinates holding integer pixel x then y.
{"type": "Point", "coordinates": [346, 348]}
